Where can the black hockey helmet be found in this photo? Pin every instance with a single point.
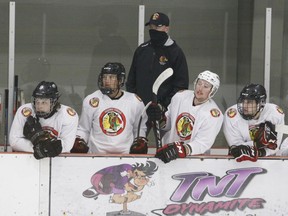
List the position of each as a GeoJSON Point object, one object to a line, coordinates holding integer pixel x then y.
{"type": "Point", "coordinates": [46, 90]}
{"type": "Point", "coordinates": [112, 68]}
{"type": "Point", "coordinates": [255, 92]}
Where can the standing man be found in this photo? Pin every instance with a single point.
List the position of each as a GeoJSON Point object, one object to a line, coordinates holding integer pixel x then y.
{"type": "Point", "coordinates": [151, 59]}
{"type": "Point", "coordinates": [110, 117]}
{"type": "Point", "coordinates": [44, 127]}
{"type": "Point", "coordinates": [193, 120]}
{"type": "Point", "coordinates": [249, 125]}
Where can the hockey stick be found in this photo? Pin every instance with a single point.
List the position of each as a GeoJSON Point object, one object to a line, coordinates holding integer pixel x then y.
{"type": "Point", "coordinates": [15, 94]}
{"type": "Point", "coordinates": [6, 120]}
{"type": "Point", "coordinates": [158, 82]}
{"type": "Point", "coordinates": [160, 79]}
{"type": "Point", "coordinates": [140, 120]}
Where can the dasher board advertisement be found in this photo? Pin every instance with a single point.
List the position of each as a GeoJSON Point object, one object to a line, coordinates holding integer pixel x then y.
{"type": "Point", "coordinates": [105, 186]}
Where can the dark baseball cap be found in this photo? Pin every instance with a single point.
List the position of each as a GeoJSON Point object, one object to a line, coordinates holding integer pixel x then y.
{"type": "Point", "coordinates": [158, 19]}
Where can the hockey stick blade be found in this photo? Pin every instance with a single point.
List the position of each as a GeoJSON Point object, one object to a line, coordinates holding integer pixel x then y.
{"type": "Point", "coordinates": [281, 129]}
{"type": "Point", "coordinates": [160, 79]}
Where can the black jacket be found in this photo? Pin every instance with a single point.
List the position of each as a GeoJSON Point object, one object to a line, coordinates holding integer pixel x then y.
{"type": "Point", "coordinates": [148, 62]}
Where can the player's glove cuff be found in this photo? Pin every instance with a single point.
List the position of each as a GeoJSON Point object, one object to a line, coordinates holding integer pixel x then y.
{"type": "Point", "coordinates": [80, 146]}
{"type": "Point", "coordinates": [139, 146]}
{"type": "Point", "coordinates": [171, 151]}
{"type": "Point", "coordinates": [243, 153]}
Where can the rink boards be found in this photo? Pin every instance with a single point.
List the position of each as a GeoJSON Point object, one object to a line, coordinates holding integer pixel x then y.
{"type": "Point", "coordinates": [110, 185]}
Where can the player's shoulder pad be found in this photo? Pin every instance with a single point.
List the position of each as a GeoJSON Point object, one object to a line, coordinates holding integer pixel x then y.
{"type": "Point", "coordinates": [231, 112]}
{"type": "Point", "coordinates": [215, 112]}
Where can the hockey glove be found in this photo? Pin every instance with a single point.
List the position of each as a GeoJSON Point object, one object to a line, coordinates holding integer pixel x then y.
{"type": "Point", "coordinates": [32, 129]}
{"type": "Point", "coordinates": [171, 151]}
{"type": "Point", "coordinates": [243, 153]}
{"type": "Point", "coordinates": [80, 146]}
{"type": "Point", "coordinates": [139, 146]}
{"type": "Point", "coordinates": [47, 148]}
{"type": "Point", "coordinates": [266, 136]}
{"type": "Point", "coordinates": [154, 112]}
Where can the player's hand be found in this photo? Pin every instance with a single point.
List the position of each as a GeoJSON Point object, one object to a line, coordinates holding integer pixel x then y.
{"type": "Point", "coordinates": [32, 129]}
{"type": "Point", "coordinates": [47, 148]}
{"type": "Point", "coordinates": [266, 136]}
{"type": "Point", "coordinates": [139, 146]}
{"type": "Point", "coordinates": [171, 151]}
{"type": "Point", "coordinates": [80, 146]}
{"type": "Point", "coordinates": [244, 152]}
{"type": "Point", "coordinates": [154, 112]}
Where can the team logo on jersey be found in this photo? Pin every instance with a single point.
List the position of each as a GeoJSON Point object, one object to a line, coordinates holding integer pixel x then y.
{"type": "Point", "coordinates": [112, 121]}
{"type": "Point", "coordinates": [279, 109]}
{"type": "Point", "coordinates": [71, 111]}
{"type": "Point", "coordinates": [94, 102]}
{"type": "Point", "coordinates": [184, 125]}
{"type": "Point", "coordinates": [163, 60]}
{"type": "Point", "coordinates": [231, 113]}
{"type": "Point", "coordinates": [26, 111]}
{"type": "Point", "coordinates": [215, 112]}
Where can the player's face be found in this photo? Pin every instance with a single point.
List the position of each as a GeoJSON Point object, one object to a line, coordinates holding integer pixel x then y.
{"type": "Point", "coordinates": [42, 105]}
{"type": "Point", "coordinates": [110, 81]}
{"type": "Point", "coordinates": [202, 90]}
{"type": "Point", "coordinates": [249, 107]}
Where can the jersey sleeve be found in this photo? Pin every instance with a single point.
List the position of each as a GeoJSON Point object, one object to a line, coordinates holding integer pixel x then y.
{"type": "Point", "coordinates": [69, 128]}
{"type": "Point", "coordinates": [208, 128]}
{"type": "Point", "coordinates": [16, 138]}
{"type": "Point", "coordinates": [232, 129]}
{"type": "Point", "coordinates": [84, 126]}
{"type": "Point", "coordinates": [139, 111]}
{"type": "Point", "coordinates": [278, 118]}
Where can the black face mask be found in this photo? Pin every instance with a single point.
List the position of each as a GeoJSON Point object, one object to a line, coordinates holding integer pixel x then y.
{"type": "Point", "coordinates": [158, 38]}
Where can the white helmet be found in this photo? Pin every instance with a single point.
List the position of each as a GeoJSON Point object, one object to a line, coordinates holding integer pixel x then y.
{"type": "Point", "coordinates": [210, 77]}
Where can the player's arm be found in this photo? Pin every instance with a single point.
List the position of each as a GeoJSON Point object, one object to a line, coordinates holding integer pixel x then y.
{"type": "Point", "coordinates": [44, 145]}
{"type": "Point", "coordinates": [85, 121]}
{"type": "Point", "coordinates": [68, 129]}
{"type": "Point", "coordinates": [202, 141]}
{"type": "Point", "coordinates": [16, 138]}
{"type": "Point", "coordinates": [140, 143]}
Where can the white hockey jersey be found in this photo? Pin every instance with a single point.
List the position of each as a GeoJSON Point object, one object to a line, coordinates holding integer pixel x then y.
{"type": "Point", "coordinates": [239, 131]}
{"type": "Point", "coordinates": [63, 125]}
{"type": "Point", "coordinates": [196, 126]}
{"type": "Point", "coordinates": [110, 125]}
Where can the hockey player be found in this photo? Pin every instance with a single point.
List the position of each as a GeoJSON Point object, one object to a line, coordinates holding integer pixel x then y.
{"type": "Point", "coordinates": [110, 116]}
{"type": "Point", "coordinates": [193, 120]}
{"type": "Point", "coordinates": [249, 125]}
{"type": "Point", "coordinates": [44, 127]}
